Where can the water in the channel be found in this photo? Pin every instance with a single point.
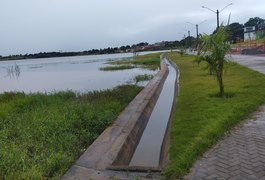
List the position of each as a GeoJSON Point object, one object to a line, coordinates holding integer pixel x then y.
{"type": "Point", "coordinates": [147, 153]}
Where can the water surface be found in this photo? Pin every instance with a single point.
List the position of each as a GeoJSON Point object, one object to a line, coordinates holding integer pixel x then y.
{"type": "Point", "coordinates": [147, 153]}
{"type": "Point", "coordinates": [79, 73]}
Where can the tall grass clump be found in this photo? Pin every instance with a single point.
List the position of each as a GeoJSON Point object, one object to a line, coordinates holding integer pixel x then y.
{"type": "Point", "coordinates": [143, 77]}
{"type": "Point", "coordinates": [41, 135]}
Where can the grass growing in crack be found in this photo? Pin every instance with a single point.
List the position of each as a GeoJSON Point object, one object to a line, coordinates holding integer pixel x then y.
{"type": "Point", "coordinates": [201, 118]}
{"type": "Point", "coordinates": [143, 77]}
{"type": "Point", "coordinates": [42, 135]}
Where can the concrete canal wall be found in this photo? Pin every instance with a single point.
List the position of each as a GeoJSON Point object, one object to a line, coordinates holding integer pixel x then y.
{"type": "Point", "coordinates": [116, 145]}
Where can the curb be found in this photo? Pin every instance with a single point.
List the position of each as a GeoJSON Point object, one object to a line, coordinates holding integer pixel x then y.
{"type": "Point", "coordinates": [116, 145]}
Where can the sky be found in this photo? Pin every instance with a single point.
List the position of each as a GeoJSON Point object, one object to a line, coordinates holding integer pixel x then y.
{"type": "Point", "coordinates": [32, 26]}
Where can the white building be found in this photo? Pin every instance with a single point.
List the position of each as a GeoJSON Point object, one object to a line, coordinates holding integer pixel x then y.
{"type": "Point", "coordinates": [249, 33]}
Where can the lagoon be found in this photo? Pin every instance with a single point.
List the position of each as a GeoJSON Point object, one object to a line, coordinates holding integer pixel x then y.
{"type": "Point", "coordinates": [79, 73]}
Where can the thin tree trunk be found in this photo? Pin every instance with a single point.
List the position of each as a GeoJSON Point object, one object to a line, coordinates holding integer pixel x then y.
{"type": "Point", "coordinates": [221, 87]}
{"type": "Point", "coordinates": [220, 80]}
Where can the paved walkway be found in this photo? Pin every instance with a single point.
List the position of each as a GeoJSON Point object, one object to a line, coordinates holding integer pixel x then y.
{"type": "Point", "coordinates": [241, 154]}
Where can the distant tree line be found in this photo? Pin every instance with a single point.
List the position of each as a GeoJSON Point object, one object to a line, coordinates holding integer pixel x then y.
{"type": "Point", "coordinates": [235, 32]}
{"type": "Point", "coordinates": [143, 46]}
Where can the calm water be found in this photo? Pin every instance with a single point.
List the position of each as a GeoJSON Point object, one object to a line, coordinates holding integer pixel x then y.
{"type": "Point", "coordinates": [147, 153]}
{"type": "Point", "coordinates": [80, 74]}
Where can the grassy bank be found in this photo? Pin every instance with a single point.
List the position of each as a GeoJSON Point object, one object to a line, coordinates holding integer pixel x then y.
{"type": "Point", "coordinates": [150, 61]}
{"type": "Point", "coordinates": [200, 117]}
{"type": "Point", "coordinates": [42, 135]}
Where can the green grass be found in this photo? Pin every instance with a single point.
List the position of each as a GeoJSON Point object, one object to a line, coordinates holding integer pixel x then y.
{"type": "Point", "coordinates": [116, 68]}
{"type": "Point", "coordinates": [143, 77]}
{"type": "Point", "coordinates": [42, 135]}
{"type": "Point", "coordinates": [201, 118]}
{"type": "Point", "coordinates": [149, 61]}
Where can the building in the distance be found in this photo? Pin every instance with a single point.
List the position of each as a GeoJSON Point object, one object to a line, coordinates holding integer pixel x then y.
{"type": "Point", "coordinates": [249, 33]}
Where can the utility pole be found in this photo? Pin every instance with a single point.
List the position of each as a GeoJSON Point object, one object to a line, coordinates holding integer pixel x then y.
{"type": "Point", "coordinates": [197, 31]}
{"type": "Point", "coordinates": [197, 35]}
{"type": "Point", "coordinates": [217, 12]}
{"type": "Point", "coordinates": [187, 40]}
{"type": "Point", "coordinates": [228, 22]}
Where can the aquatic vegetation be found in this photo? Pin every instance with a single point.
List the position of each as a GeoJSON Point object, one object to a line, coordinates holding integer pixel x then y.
{"type": "Point", "coordinates": [116, 68]}
{"type": "Point", "coordinates": [143, 77]}
{"type": "Point", "coordinates": [148, 61]}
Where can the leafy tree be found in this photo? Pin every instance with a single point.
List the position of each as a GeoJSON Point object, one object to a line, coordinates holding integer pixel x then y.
{"type": "Point", "coordinates": [213, 50]}
{"type": "Point", "coordinates": [236, 31]}
{"type": "Point", "coordinates": [142, 44]}
{"type": "Point", "coordinates": [171, 44]}
{"type": "Point", "coordinates": [256, 21]}
{"type": "Point", "coordinates": [188, 42]}
{"type": "Point", "coordinates": [123, 48]}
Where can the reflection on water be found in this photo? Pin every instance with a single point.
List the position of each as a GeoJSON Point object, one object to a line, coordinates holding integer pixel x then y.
{"type": "Point", "coordinates": [147, 153]}
{"type": "Point", "coordinates": [80, 74]}
{"type": "Point", "coordinates": [13, 71]}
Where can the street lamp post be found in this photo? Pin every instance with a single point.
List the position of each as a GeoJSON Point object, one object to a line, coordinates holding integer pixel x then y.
{"type": "Point", "coordinates": [187, 41]}
{"type": "Point", "coordinates": [197, 31]}
{"type": "Point", "coordinates": [217, 12]}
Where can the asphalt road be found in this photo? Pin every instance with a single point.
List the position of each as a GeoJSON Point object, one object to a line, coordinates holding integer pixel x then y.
{"type": "Point", "coordinates": [253, 62]}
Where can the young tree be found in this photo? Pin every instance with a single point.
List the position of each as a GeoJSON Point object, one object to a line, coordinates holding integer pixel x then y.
{"type": "Point", "coordinates": [213, 51]}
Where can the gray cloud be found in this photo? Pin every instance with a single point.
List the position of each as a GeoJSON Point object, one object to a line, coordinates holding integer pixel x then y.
{"type": "Point", "coordinates": [30, 26]}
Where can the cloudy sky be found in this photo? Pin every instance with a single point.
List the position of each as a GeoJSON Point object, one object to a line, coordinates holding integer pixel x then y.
{"type": "Point", "coordinates": [30, 26]}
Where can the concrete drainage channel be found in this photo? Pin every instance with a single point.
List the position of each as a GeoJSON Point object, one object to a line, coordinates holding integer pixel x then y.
{"type": "Point", "coordinates": [137, 144]}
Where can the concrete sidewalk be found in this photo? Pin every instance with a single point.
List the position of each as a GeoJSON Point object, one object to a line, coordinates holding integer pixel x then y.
{"type": "Point", "coordinates": [241, 154]}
